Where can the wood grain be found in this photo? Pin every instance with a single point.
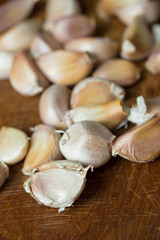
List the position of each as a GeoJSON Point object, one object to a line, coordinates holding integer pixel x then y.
{"type": "Point", "coordinates": [121, 199]}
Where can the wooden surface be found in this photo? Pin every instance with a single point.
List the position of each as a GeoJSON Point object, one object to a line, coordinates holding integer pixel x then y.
{"type": "Point", "coordinates": [121, 200]}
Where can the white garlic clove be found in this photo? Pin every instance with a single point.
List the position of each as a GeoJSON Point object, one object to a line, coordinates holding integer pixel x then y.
{"type": "Point", "coordinates": [119, 71]}
{"type": "Point", "coordinates": [153, 62]}
{"type": "Point", "coordinates": [57, 184]}
{"type": "Point", "coordinates": [149, 10]}
{"type": "Point", "coordinates": [156, 33]}
{"type": "Point", "coordinates": [4, 173]}
{"type": "Point", "coordinates": [102, 48]}
{"type": "Point", "coordinates": [71, 27]}
{"type": "Point", "coordinates": [19, 36]}
{"type": "Point", "coordinates": [53, 104]}
{"type": "Point", "coordinates": [56, 9]}
{"type": "Point", "coordinates": [43, 43]}
{"type": "Point", "coordinates": [14, 11]}
{"type": "Point", "coordinates": [6, 62]}
{"type": "Point", "coordinates": [13, 145]}
{"type": "Point", "coordinates": [95, 91]}
{"type": "Point", "coordinates": [25, 77]}
{"type": "Point", "coordinates": [65, 67]}
{"type": "Point", "coordinates": [88, 143]}
{"type": "Point", "coordinates": [136, 40]}
{"type": "Point", "coordinates": [44, 147]}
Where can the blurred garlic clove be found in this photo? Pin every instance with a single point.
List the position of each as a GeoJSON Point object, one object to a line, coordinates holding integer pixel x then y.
{"type": "Point", "coordinates": [65, 67]}
{"type": "Point", "coordinates": [4, 173]}
{"type": "Point", "coordinates": [109, 114]}
{"type": "Point", "coordinates": [153, 62]}
{"type": "Point", "coordinates": [119, 71]}
{"type": "Point", "coordinates": [56, 9]}
{"type": "Point", "coordinates": [13, 145]}
{"type": "Point", "coordinates": [19, 36]}
{"type": "Point", "coordinates": [57, 184]}
{"type": "Point", "coordinates": [153, 105]}
{"type": "Point", "coordinates": [102, 48]}
{"type": "Point", "coordinates": [6, 62]}
{"type": "Point", "coordinates": [88, 143]}
{"type": "Point", "coordinates": [14, 11]}
{"type": "Point", "coordinates": [95, 91]}
{"type": "Point", "coordinates": [140, 144]}
{"type": "Point", "coordinates": [156, 33]}
{"type": "Point", "coordinates": [53, 104]}
{"type": "Point", "coordinates": [71, 27]}
{"type": "Point", "coordinates": [43, 43]}
{"type": "Point", "coordinates": [136, 40]}
{"type": "Point", "coordinates": [44, 147]}
{"type": "Point", "coordinates": [149, 10]}
{"type": "Point", "coordinates": [25, 77]}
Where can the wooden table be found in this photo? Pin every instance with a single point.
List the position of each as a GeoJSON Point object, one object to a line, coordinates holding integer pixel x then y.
{"type": "Point", "coordinates": [121, 199]}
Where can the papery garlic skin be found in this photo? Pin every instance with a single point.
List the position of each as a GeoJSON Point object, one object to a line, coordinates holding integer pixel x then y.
{"type": "Point", "coordinates": [88, 143]}
{"type": "Point", "coordinates": [94, 91]}
{"type": "Point", "coordinates": [140, 144]}
{"type": "Point", "coordinates": [65, 67]}
{"type": "Point", "coordinates": [53, 104]}
{"type": "Point", "coordinates": [57, 184]}
{"type": "Point", "coordinates": [13, 145]}
{"type": "Point", "coordinates": [102, 48]}
{"type": "Point", "coordinates": [153, 62]}
{"type": "Point", "coordinates": [4, 173]}
{"type": "Point", "coordinates": [44, 147]}
{"type": "Point", "coordinates": [153, 105]}
{"type": "Point", "coordinates": [6, 61]}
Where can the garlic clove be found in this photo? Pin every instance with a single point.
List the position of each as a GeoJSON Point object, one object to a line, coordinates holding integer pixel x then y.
{"type": "Point", "coordinates": [25, 77]}
{"type": "Point", "coordinates": [149, 10]}
{"type": "Point", "coordinates": [14, 11]}
{"type": "Point", "coordinates": [65, 67]}
{"type": "Point", "coordinates": [13, 145]}
{"type": "Point", "coordinates": [53, 104]}
{"type": "Point", "coordinates": [153, 105]}
{"type": "Point", "coordinates": [109, 114]}
{"type": "Point", "coordinates": [156, 33]}
{"type": "Point", "coordinates": [43, 43]}
{"type": "Point", "coordinates": [6, 62]}
{"type": "Point", "coordinates": [56, 9]}
{"type": "Point", "coordinates": [88, 143]}
{"type": "Point", "coordinates": [71, 27]}
{"type": "Point", "coordinates": [4, 173]}
{"type": "Point", "coordinates": [44, 147]}
{"type": "Point", "coordinates": [119, 71]}
{"type": "Point", "coordinates": [95, 91]}
{"type": "Point", "coordinates": [136, 40]}
{"type": "Point", "coordinates": [57, 184]}
{"type": "Point", "coordinates": [102, 48]}
{"type": "Point", "coordinates": [153, 62]}
{"type": "Point", "coordinates": [19, 36]}
{"type": "Point", "coordinates": [137, 144]}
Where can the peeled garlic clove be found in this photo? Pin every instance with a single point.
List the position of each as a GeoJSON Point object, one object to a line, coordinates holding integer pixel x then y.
{"type": "Point", "coordinates": [25, 77]}
{"type": "Point", "coordinates": [19, 36]}
{"type": "Point", "coordinates": [153, 105]}
{"type": "Point", "coordinates": [156, 33]}
{"type": "Point", "coordinates": [95, 90]}
{"type": "Point", "coordinates": [14, 11]}
{"type": "Point", "coordinates": [13, 145]}
{"type": "Point", "coordinates": [56, 9]}
{"type": "Point", "coordinates": [149, 10]}
{"type": "Point", "coordinates": [140, 144]}
{"type": "Point", "coordinates": [6, 61]}
{"type": "Point", "coordinates": [4, 173]}
{"type": "Point", "coordinates": [136, 40]}
{"type": "Point", "coordinates": [53, 104]}
{"type": "Point", "coordinates": [88, 143]}
{"type": "Point", "coordinates": [153, 62]}
{"type": "Point", "coordinates": [119, 71]}
{"type": "Point", "coordinates": [43, 43]}
{"type": "Point", "coordinates": [44, 147]}
{"type": "Point", "coordinates": [76, 26]}
{"type": "Point", "coordinates": [102, 48]}
{"type": "Point", "coordinates": [57, 184]}
{"type": "Point", "coordinates": [65, 67]}
{"type": "Point", "coordinates": [109, 114]}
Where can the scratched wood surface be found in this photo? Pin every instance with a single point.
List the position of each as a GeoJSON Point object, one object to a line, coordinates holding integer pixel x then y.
{"type": "Point", "coordinates": [121, 199]}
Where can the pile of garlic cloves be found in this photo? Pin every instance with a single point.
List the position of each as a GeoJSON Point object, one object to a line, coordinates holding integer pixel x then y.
{"type": "Point", "coordinates": [82, 79]}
